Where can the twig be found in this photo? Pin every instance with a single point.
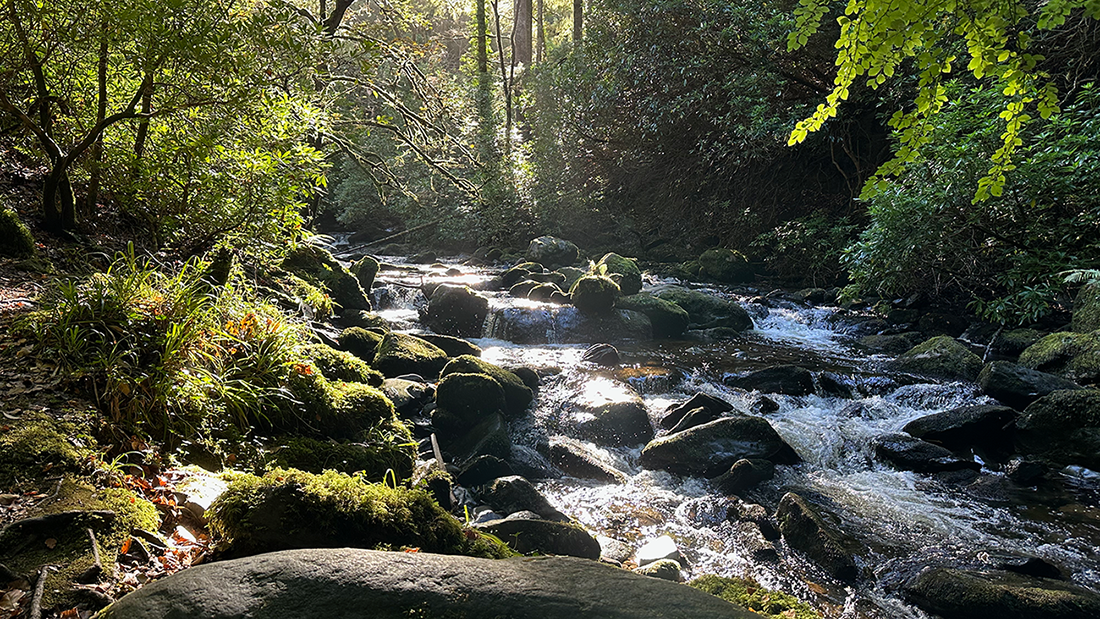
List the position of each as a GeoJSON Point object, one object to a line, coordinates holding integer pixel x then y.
{"type": "Point", "coordinates": [92, 574]}
{"type": "Point", "coordinates": [39, 589]}
{"type": "Point", "coordinates": [52, 495]}
{"type": "Point", "coordinates": [438, 454]}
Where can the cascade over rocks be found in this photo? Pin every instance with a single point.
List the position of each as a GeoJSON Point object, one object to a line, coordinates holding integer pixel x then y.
{"type": "Point", "coordinates": [785, 379]}
{"type": "Point", "coordinates": [607, 412]}
{"type": "Point", "coordinates": [713, 447]}
{"type": "Point", "coordinates": [1064, 427]}
{"type": "Point", "coordinates": [1018, 386]}
{"type": "Point", "coordinates": [567, 325]}
{"type": "Point", "coordinates": [552, 252]}
{"type": "Point", "coordinates": [455, 310]}
{"type": "Point", "coordinates": [326, 583]}
{"type": "Point", "coordinates": [966, 594]}
{"type": "Point", "coordinates": [912, 454]}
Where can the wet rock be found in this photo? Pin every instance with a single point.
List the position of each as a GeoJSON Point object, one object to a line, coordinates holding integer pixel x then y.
{"type": "Point", "coordinates": [665, 569]}
{"type": "Point", "coordinates": [661, 548]}
{"type": "Point", "coordinates": [552, 252]}
{"type": "Point", "coordinates": [964, 594]}
{"type": "Point", "coordinates": [966, 426]}
{"type": "Point", "coordinates": [601, 354]}
{"type": "Point", "coordinates": [813, 296]}
{"type": "Point", "coordinates": [623, 271]}
{"type": "Point", "coordinates": [567, 325]}
{"type": "Point", "coordinates": [508, 495]}
{"type": "Point", "coordinates": [1086, 308]}
{"type": "Point", "coordinates": [1018, 386]}
{"type": "Point", "coordinates": [467, 399]}
{"type": "Point", "coordinates": [726, 265]}
{"type": "Point", "coordinates": [489, 437]}
{"type": "Point", "coordinates": [1014, 342]}
{"type": "Point", "coordinates": [888, 343]}
{"type": "Point", "coordinates": [744, 475]}
{"type": "Point", "coordinates": [408, 396]}
{"type": "Point", "coordinates": [361, 342]}
{"type": "Point", "coordinates": [674, 413]}
{"type": "Point", "coordinates": [453, 346]}
{"type": "Point", "coordinates": [455, 310]}
{"type": "Point", "coordinates": [740, 511]}
{"type": "Point", "coordinates": [365, 269]}
{"type": "Point", "coordinates": [694, 417]}
{"type": "Point", "coordinates": [713, 447]}
{"type": "Point", "coordinates": [607, 412]}
{"type": "Point", "coordinates": [529, 377]}
{"type": "Point", "coordinates": [546, 293]}
{"type": "Point", "coordinates": [1025, 472]}
{"type": "Point", "coordinates": [912, 454]}
{"type": "Point", "coordinates": [517, 395]}
{"type": "Point", "coordinates": [752, 539]}
{"type": "Point", "coordinates": [594, 294]}
{"type": "Point", "coordinates": [483, 469]}
{"type": "Point", "coordinates": [1075, 356]}
{"type": "Point", "coordinates": [399, 354]}
{"type": "Point", "coordinates": [835, 385]}
{"type": "Point", "coordinates": [364, 319]}
{"type": "Point", "coordinates": [764, 405]}
{"type": "Point", "coordinates": [940, 357]}
{"type": "Point", "coordinates": [785, 379]}
{"type": "Point", "coordinates": [805, 530]}
{"type": "Point", "coordinates": [1064, 427]}
{"type": "Point", "coordinates": [706, 311]}
{"type": "Point", "coordinates": [668, 319]}
{"type": "Point", "coordinates": [526, 535]}
{"type": "Point", "coordinates": [522, 289]}
{"type": "Point", "coordinates": [613, 550]}
{"type": "Point", "coordinates": [570, 276]}
{"type": "Point", "coordinates": [1027, 565]}
{"type": "Point", "coordinates": [519, 273]}
{"type": "Point", "coordinates": [574, 459]}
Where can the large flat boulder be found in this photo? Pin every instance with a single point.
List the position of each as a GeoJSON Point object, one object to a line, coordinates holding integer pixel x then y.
{"type": "Point", "coordinates": [1017, 386]}
{"type": "Point", "coordinates": [965, 594]}
{"type": "Point", "coordinates": [710, 449]}
{"type": "Point", "coordinates": [349, 583]}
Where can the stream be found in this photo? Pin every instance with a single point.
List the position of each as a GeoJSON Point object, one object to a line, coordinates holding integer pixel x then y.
{"type": "Point", "coordinates": [902, 520]}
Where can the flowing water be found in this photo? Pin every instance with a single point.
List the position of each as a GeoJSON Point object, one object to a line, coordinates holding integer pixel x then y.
{"type": "Point", "coordinates": [904, 521]}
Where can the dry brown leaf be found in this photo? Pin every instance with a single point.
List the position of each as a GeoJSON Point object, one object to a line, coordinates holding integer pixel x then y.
{"type": "Point", "coordinates": [10, 600]}
{"type": "Point", "coordinates": [51, 543]}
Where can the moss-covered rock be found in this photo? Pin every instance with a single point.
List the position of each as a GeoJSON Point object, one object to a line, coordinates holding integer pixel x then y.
{"type": "Point", "coordinates": [623, 271]}
{"type": "Point", "coordinates": [725, 265]}
{"type": "Point", "coordinates": [805, 530]}
{"type": "Point", "coordinates": [455, 310]}
{"type": "Point", "coordinates": [668, 319]}
{"type": "Point", "coordinates": [400, 354]}
{"type": "Point", "coordinates": [941, 357]}
{"type": "Point", "coordinates": [710, 449]}
{"type": "Point", "coordinates": [304, 293]}
{"type": "Point", "coordinates": [962, 594]}
{"type": "Point", "coordinates": [16, 240]}
{"type": "Point", "coordinates": [529, 535]}
{"type": "Point", "coordinates": [595, 294]}
{"type": "Point", "coordinates": [453, 346]}
{"type": "Point", "coordinates": [291, 509]}
{"type": "Point", "coordinates": [371, 459]}
{"type": "Point", "coordinates": [37, 445]}
{"type": "Point", "coordinates": [362, 343]}
{"type": "Point", "coordinates": [517, 395]}
{"type": "Point", "coordinates": [317, 265]}
{"type": "Point", "coordinates": [707, 311]}
{"type": "Point", "coordinates": [552, 252]}
{"type": "Point", "coordinates": [365, 270]}
{"type": "Point", "coordinates": [468, 398]}
{"type": "Point", "coordinates": [334, 409]}
{"type": "Point", "coordinates": [750, 594]}
{"type": "Point", "coordinates": [571, 275]}
{"type": "Point", "coordinates": [519, 273]}
{"type": "Point", "coordinates": [1063, 426]}
{"type": "Point", "coordinates": [365, 320]}
{"type": "Point", "coordinates": [340, 365]}
{"type": "Point", "coordinates": [1075, 356]}
{"type": "Point", "coordinates": [1086, 308]}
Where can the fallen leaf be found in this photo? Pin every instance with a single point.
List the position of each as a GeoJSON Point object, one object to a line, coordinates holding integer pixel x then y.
{"type": "Point", "coordinates": [72, 613]}
{"type": "Point", "coordinates": [10, 600]}
{"type": "Point", "coordinates": [51, 543]}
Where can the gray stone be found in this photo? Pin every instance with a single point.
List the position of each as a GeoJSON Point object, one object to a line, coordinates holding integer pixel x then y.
{"type": "Point", "coordinates": [1017, 386]}
{"type": "Point", "coordinates": [663, 547]}
{"type": "Point", "coordinates": [455, 310]}
{"type": "Point", "coordinates": [707, 311]}
{"type": "Point", "coordinates": [1064, 427]}
{"type": "Point", "coordinates": [574, 459]}
{"type": "Point", "coordinates": [966, 594]}
{"type": "Point", "coordinates": [527, 535]}
{"type": "Point", "coordinates": [966, 426]}
{"type": "Point", "coordinates": [713, 447]}
{"type": "Point", "coordinates": [805, 530]}
{"type": "Point", "coordinates": [552, 252]}
{"type": "Point", "coordinates": [607, 412]}
{"type": "Point", "coordinates": [674, 413]}
{"type": "Point", "coordinates": [744, 475]}
{"type": "Point", "coordinates": [346, 583]}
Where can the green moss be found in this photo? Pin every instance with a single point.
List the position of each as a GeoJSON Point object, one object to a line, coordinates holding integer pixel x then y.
{"type": "Point", "coordinates": [668, 319]}
{"type": "Point", "coordinates": [1086, 309]}
{"type": "Point", "coordinates": [362, 343]}
{"type": "Point", "coordinates": [365, 270]}
{"type": "Point", "coordinates": [469, 397]}
{"type": "Point", "coordinates": [624, 272]}
{"type": "Point", "coordinates": [24, 551]}
{"type": "Point", "coordinates": [37, 446]}
{"type": "Point", "coordinates": [387, 447]}
{"type": "Point", "coordinates": [941, 357]}
{"type": "Point", "coordinates": [595, 294]}
{"type": "Point", "coordinates": [572, 274]}
{"type": "Point", "coordinates": [339, 365]}
{"type": "Point", "coordinates": [333, 408]}
{"type": "Point", "coordinates": [305, 292]}
{"type": "Point", "coordinates": [517, 395]}
{"type": "Point", "coordinates": [317, 265]}
{"type": "Point", "coordinates": [291, 509]}
{"type": "Point", "coordinates": [1073, 355]}
{"type": "Point", "coordinates": [16, 240]}
{"type": "Point", "coordinates": [706, 311]}
{"type": "Point", "coordinates": [748, 593]}
{"type": "Point", "coordinates": [399, 353]}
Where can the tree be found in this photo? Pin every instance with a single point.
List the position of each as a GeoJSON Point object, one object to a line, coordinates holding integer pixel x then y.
{"type": "Point", "coordinates": [878, 36]}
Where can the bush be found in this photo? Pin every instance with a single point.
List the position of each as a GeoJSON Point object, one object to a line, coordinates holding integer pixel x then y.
{"type": "Point", "coordinates": [808, 249]}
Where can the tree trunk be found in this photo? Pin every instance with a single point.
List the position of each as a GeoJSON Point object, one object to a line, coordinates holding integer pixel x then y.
{"type": "Point", "coordinates": [578, 21]}
{"type": "Point", "coordinates": [521, 29]}
{"type": "Point", "coordinates": [58, 205]}
{"type": "Point", "coordinates": [540, 45]}
{"type": "Point", "coordinates": [482, 39]}
{"type": "Point", "coordinates": [92, 197]}
{"type": "Point", "coordinates": [506, 82]}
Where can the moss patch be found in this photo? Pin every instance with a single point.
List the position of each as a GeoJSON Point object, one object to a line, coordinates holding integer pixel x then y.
{"type": "Point", "coordinates": [319, 267]}
{"type": "Point", "coordinates": [16, 240]}
{"type": "Point", "coordinates": [668, 319]}
{"type": "Point", "coordinates": [1086, 309]}
{"type": "Point", "coordinates": [941, 357]}
{"type": "Point", "coordinates": [725, 265]}
{"type": "Point", "coordinates": [399, 354]}
{"type": "Point", "coordinates": [595, 294]}
{"type": "Point", "coordinates": [517, 395]}
{"type": "Point", "coordinates": [365, 270]}
{"type": "Point", "coordinates": [372, 457]}
{"type": "Point", "coordinates": [339, 365]}
{"type": "Point", "coordinates": [623, 271]}
{"type": "Point", "coordinates": [362, 343]}
{"type": "Point", "coordinates": [748, 593]}
{"type": "Point", "coordinates": [38, 445]}
{"type": "Point", "coordinates": [333, 408]}
{"type": "Point", "coordinates": [291, 509]}
{"type": "Point", "coordinates": [1075, 356]}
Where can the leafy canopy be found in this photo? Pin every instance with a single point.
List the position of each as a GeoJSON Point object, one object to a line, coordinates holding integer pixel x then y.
{"type": "Point", "coordinates": [877, 36]}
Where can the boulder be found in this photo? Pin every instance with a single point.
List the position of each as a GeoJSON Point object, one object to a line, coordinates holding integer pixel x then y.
{"type": "Point", "coordinates": [805, 530]}
{"type": "Point", "coordinates": [707, 311]}
{"type": "Point", "coordinates": [1086, 308]}
{"type": "Point", "coordinates": [365, 270]}
{"type": "Point", "coordinates": [362, 343]}
{"type": "Point", "coordinates": [339, 365]}
{"type": "Point", "coordinates": [482, 469]}
{"type": "Point", "coordinates": [912, 454]}
{"type": "Point", "coordinates": [517, 395]}
{"type": "Point", "coordinates": [1075, 356]}
{"type": "Point", "coordinates": [364, 319]}
{"type": "Point", "coordinates": [659, 549]}
{"type": "Point", "coordinates": [594, 294]}
{"type": "Point", "coordinates": [489, 437]}
{"type": "Point", "coordinates": [744, 475]}
{"type": "Point", "coordinates": [785, 379]}
{"type": "Point", "coordinates": [607, 412]}
{"type": "Point", "coordinates": [546, 293]}
{"type": "Point", "coordinates": [329, 583]}
{"type": "Point", "coordinates": [522, 289]}
{"type": "Point", "coordinates": [455, 310]}
{"type": "Point", "coordinates": [726, 265]}
{"type": "Point", "coordinates": [965, 427]}
{"type": "Point", "coordinates": [758, 546]}
{"type": "Point", "coordinates": [400, 354]}
{"type": "Point", "coordinates": [467, 399]}
{"type": "Point", "coordinates": [966, 594]}
{"type": "Point", "coordinates": [668, 319]}
{"type": "Point", "coordinates": [940, 357]}
{"type": "Point", "coordinates": [408, 396]}
{"type": "Point", "coordinates": [665, 569]}
{"type": "Point", "coordinates": [602, 354]}
{"type": "Point", "coordinates": [552, 252]}
{"type": "Point", "coordinates": [893, 344]}
{"type": "Point", "coordinates": [676, 412]}
{"type": "Point", "coordinates": [519, 273]}
{"type": "Point", "coordinates": [694, 417]}
{"type": "Point", "coordinates": [507, 495]}
{"type": "Point", "coordinates": [527, 535]}
{"type": "Point", "coordinates": [316, 264]}
{"type": "Point", "coordinates": [573, 458]}
{"type": "Point", "coordinates": [1017, 386]}
{"type": "Point", "coordinates": [623, 271]}
{"type": "Point", "coordinates": [712, 448]}
{"type": "Point", "coordinates": [1013, 342]}
{"type": "Point", "coordinates": [567, 325]}
{"type": "Point", "coordinates": [1064, 427]}
{"type": "Point", "coordinates": [570, 276]}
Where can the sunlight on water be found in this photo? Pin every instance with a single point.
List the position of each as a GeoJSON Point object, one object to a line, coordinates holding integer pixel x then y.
{"type": "Point", "coordinates": [806, 327]}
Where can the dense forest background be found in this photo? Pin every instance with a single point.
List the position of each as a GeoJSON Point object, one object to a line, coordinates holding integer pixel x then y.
{"type": "Point", "coordinates": [657, 129]}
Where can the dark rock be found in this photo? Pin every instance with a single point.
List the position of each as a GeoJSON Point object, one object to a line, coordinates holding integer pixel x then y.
{"type": "Point", "coordinates": [453, 346]}
{"type": "Point", "coordinates": [912, 454]}
{"type": "Point", "coordinates": [601, 354]}
{"type": "Point", "coordinates": [744, 475]}
{"type": "Point", "coordinates": [567, 325]}
{"type": "Point", "coordinates": [545, 293]}
{"type": "Point", "coordinates": [694, 417]}
{"type": "Point", "coordinates": [706, 311]}
{"type": "Point", "coordinates": [399, 354]}
{"type": "Point", "coordinates": [607, 412]}
{"type": "Point", "coordinates": [594, 294]}
{"type": "Point", "coordinates": [552, 252]}
{"type": "Point", "coordinates": [764, 405]}
{"type": "Point", "coordinates": [365, 270]}
{"type": "Point", "coordinates": [364, 319]}
{"type": "Point", "coordinates": [1064, 427]}
{"type": "Point", "coordinates": [668, 319]}
{"type": "Point", "coordinates": [674, 413]}
{"type": "Point", "coordinates": [740, 511]}
{"type": "Point", "coordinates": [805, 530]}
{"type": "Point", "coordinates": [408, 397]}
{"type": "Point", "coordinates": [1086, 308]}
{"type": "Point", "coordinates": [520, 273]}
{"type": "Point", "coordinates": [1026, 565]}
{"type": "Point", "coordinates": [455, 310]}
{"type": "Point", "coordinates": [935, 323]}
{"type": "Point", "coordinates": [483, 469]}
{"type": "Point", "coordinates": [1025, 472]}
{"type": "Point", "coordinates": [468, 398]}
{"type": "Point", "coordinates": [834, 385]}
{"type": "Point", "coordinates": [507, 495]}
{"type": "Point", "coordinates": [888, 343]}
{"type": "Point", "coordinates": [529, 377]}
{"type": "Point", "coordinates": [555, 278]}
{"type": "Point", "coordinates": [489, 437]}
{"type": "Point", "coordinates": [517, 395]}
{"type": "Point", "coordinates": [521, 289]}
{"type": "Point", "coordinates": [713, 447]}
{"type": "Point", "coordinates": [965, 427]}
{"type": "Point", "coordinates": [1017, 386]}
{"type": "Point", "coordinates": [940, 357]}
{"type": "Point", "coordinates": [623, 271]}
{"type": "Point", "coordinates": [726, 265]}
{"type": "Point", "coordinates": [963, 594]}
{"type": "Point", "coordinates": [752, 539]}
{"type": "Point", "coordinates": [815, 296]}
{"type": "Point", "coordinates": [361, 342]}
{"type": "Point", "coordinates": [574, 459]}
{"type": "Point", "coordinates": [785, 379]}
{"type": "Point", "coordinates": [1014, 342]}
{"type": "Point", "coordinates": [1075, 356]}
{"type": "Point", "coordinates": [544, 537]}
